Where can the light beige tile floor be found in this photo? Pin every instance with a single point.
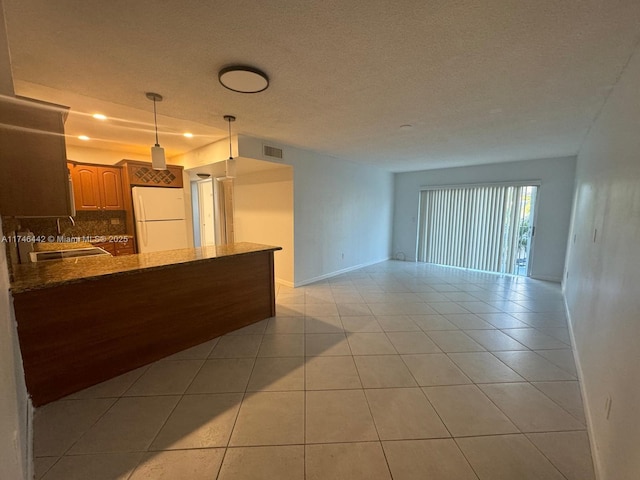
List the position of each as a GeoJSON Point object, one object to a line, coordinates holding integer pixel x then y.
{"type": "Point", "coordinates": [396, 371]}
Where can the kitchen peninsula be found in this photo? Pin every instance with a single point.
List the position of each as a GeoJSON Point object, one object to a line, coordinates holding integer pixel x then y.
{"type": "Point", "coordinates": [84, 320]}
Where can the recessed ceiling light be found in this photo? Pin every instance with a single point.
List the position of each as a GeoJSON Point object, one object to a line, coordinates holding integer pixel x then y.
{"type": "Point", "coordinates": [99, 116]}
{"type": "Point", "coordinates": [188, 134]}
{"type": "Point", "coordinates": [243, 79]}
{"type": "Point", "coordinates": [84, 138]}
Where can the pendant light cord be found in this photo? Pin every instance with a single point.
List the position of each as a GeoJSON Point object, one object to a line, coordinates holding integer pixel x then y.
{"type": "Point", "coordinates": [230, 153]}
{"type": "Point", "coordinates": [155, 121]}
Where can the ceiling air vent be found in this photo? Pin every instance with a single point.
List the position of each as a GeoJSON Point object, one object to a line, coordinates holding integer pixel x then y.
{"type": "Point", "coordinates": [273, 152]}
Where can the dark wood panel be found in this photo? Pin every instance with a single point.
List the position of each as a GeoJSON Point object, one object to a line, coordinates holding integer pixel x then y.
{"type": "Point", "coordinates": [33, 171]}
{"type": "Point", "coordinates": [77, 335]}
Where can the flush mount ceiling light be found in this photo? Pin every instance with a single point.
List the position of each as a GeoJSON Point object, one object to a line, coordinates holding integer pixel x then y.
{"type": "Point", "coordinates": [158, 161]}
{"type": "Point", "coordinates": [243, 79]}
{"type": "Point", "coordinates": [99, 116]}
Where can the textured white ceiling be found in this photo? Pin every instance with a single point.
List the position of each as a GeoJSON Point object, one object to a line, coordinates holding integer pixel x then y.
{"type": "Point", "coordinates": [126, 129]}
{"type": "Point", "coordinates": [481, 81]}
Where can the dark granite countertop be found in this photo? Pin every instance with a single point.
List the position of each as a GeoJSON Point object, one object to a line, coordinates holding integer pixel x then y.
{"type": "Point", "coordinates": [55, 246]}
{"type": "Point", "coordinates": [52, 273]}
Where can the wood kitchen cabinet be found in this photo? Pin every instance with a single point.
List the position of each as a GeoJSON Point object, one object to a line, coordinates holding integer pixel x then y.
{"type": "Point", "coordinates": [117, 248]}
{"type": "Point", "coordinates": [142, 174]}
{"type": "Point", "coordinates": [118, 316]}
{"type": "Point", "coordinates": [97, 187]}
{"type": "Point", "coordinates": [106, 246]}
{"type": "Point", "coordinates": [126, 248]}
{"type": "Point", "coordinates": [33, 173]}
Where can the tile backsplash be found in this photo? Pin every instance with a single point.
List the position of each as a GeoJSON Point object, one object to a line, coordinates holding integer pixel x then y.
{"type": "Point", "coordinates": [87, 224]}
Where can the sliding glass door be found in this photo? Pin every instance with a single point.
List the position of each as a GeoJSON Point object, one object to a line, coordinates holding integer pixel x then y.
{"type": "Point", "coordinates": [478, 227]}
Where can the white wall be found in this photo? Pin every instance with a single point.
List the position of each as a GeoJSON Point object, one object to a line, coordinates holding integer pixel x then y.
{"type": "Point", "coordinates": [101, 156]}
{"type": "Point", "coordinates": [188, 207]}
{"type": "Point", "coordinates": [16, 431]}
{"type": "Point", "coordinates": [15, 407]}
{"type": "Point", "coordinates": [603, 287]}
{"type": "Point", "coordinates": [554, 205]}
{"type": "Point", "coordinates": [263, 213]}
{"type": "Point", "coordinates": [342, 211]}
{"type": "Point", "coordinates": [212, 153]}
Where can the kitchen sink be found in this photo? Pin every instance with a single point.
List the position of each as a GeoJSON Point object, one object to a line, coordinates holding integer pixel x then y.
{"type": "Point", "coordinates": [72, 253]}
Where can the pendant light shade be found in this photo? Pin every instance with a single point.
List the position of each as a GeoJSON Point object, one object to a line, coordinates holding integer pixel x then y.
{"type": "Point", "coordinates": [158, 160]}
{"type": "Point", "coordinates": [230, 164]}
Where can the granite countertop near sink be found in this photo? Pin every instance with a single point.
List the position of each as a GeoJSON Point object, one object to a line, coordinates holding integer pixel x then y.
{"type": "Point", "coordinates": [34, 276]}
{"type": "Point", "coordinates": [57, 246]}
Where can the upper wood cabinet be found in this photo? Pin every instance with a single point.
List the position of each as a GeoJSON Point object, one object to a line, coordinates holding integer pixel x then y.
{"type": "Point", "coordinates": [97, 187]}
{"type": "Point", "coordinates": [142, 174]}
{"type": "Point", "coordinates": [86, 192]}
{"type": "Point", "coordinates": [33, 173]}
{"type": "Point", "coordinates": [110, 183]}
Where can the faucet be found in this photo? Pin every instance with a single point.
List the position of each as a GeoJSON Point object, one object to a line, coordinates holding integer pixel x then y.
{"type": "Point", "coordinates": [73, 223]}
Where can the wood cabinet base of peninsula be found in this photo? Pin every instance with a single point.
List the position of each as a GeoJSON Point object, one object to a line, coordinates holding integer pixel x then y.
{"type": "Point", "coordinates": [76, 335]}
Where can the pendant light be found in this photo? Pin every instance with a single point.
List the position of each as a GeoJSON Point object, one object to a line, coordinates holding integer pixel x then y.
{"type": "Point", "coordinates": [230, 164]}
{"type": "Point", "coordinates": [158, 160]}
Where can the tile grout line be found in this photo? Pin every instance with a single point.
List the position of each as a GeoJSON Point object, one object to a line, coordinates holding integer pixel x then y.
{"type": "Point", "coordinates": [405, 285]}
{"type": "Point", "coordinates": [235, 420]}
{"type": "Point", "coordinates": [560, 406]}
{"type": "Point", "coordinates": [466, 458]}
{"type": "Point", "coordinates": [115, 401]}
{"type": "Point", "coordinates": [164, 423]}
{"type": "Point", "coordinates": [543, 454]}
{"type": "Point", "coordinates": [373, 420]}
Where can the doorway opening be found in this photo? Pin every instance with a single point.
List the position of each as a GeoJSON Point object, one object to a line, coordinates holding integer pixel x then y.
{"type": "Point", "coordinates": [212, 211]}
{"type": "Point", "coordinates": [488, 228]}
{"type": "Point", "coordinates": [206, 213]}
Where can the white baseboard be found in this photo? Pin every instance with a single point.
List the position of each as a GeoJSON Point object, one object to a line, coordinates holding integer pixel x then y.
{"type": "Point", "coordinates": [29, 460]}
{"type": "Point", "coordinates": [286, 283]}
{"type": "Point", "coordinates": [338, 272]}
{"type": "Point", "coordinates": [585, 399]}
{"type": "Point", "coordinates": [547, 278]}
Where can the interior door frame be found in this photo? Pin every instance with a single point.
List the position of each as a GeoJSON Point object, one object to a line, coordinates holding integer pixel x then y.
{"type": "Point", "coordinates": [200, 184]}
{"type": "Point", "coordinates": [532, 238]}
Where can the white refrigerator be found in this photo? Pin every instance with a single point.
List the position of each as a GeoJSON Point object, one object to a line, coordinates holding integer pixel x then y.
{"type": "Point", "coordinates": [160, 218]}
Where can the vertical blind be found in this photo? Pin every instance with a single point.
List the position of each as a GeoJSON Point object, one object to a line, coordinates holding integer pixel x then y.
{"type": "Point", "coordinates": [470, 227]}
